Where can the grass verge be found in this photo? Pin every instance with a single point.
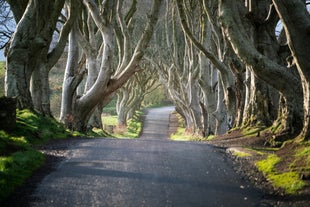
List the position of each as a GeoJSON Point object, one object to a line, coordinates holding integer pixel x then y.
{"type": "Point", "coordinates": [289, 181]}
{"type": "Point", "coordinates": [18, 158]}
{"type": "Point", "coordinates": [132, 130]}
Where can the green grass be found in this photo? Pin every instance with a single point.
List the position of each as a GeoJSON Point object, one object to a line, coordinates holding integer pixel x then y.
{"type": "Point", "coordinates": [38, 129]}
{"type": "Point", "coordinates": [133, 129]}
{"type": "Point", "coordinates": [109, 120]}
{"type": "Point", "coordinates": [305, 154]}
{"type": "Point", "coordinates": [289, 181]}
{"type": "Point", "coordinates": [18, 159]}
{"type": "Point", "coordinates": [251, 131]}
{"type": "Point", "coordinates": [16, 168]}
{"type": "Point", "coordinates": [180, 135]}
{"type": "Point", "coordinates": [268, 165]}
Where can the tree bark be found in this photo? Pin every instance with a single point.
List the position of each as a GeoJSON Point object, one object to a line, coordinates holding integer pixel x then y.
{"type": "Point", "coordinates": [296, 22]}
{"type": "Point", "coordinates": [29, 52]}
{"type": "Point", "coordinates": [264, 68]}
{"type": "Point", "coordinates": [106, 85]}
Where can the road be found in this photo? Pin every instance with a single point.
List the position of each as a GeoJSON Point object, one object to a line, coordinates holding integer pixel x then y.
{"type": "Point", "coordinates": [151, 171]}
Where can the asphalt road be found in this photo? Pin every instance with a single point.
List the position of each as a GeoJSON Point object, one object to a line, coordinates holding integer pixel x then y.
{"type": "Point", "coordinates": [150, 171]}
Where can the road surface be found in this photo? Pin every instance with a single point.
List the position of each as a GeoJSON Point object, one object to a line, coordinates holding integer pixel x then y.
{"type": "Point", "coordinates": [151, 171]}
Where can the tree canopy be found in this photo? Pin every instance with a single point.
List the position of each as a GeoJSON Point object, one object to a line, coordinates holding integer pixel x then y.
{"type": "Point", "coordinates": [224, 63]}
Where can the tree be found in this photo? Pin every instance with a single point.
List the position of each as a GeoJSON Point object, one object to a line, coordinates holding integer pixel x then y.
{"type": "Point", "coordinates": [76, 111]}
{"type": "Point", "coordinates": [296, 21]}
{"type": "Point", "coordinates": [179, 71]}
{"type": "Point", "coordinates": [29, 53]}
{"type": "Point", "coordinates": [218, 53]}
{"type": "Point", "coordinates": [131, 95]}
{"type": "Point", "coordinates": [236, 30]}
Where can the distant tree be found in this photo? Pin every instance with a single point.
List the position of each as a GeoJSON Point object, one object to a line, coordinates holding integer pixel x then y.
{"type": "Point", "coordinates": [131, 95]}
{"type": "Point", "coordinates": [208, 40]}
{"type": "Point", "coordinates": [179, 71]}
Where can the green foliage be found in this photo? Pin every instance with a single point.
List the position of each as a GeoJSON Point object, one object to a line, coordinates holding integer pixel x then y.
{"type": "Point", "coordinates": [267, 165]}
{"type": "Point", "coordinates": [211, 137]}
{"type": "Point", "coordinates": [304, 152]}
{"type": "Point", "coordinates": [111, 107]}
{"type": "Point", "coordinates": [302, 159]}
{"type": "Point", "coordinates": [109, 120]}
{"type": "Point", "coordinates": [180, 135]}
{"type": "Point", "coordinates": [289, 181]}
{"type": "Point", "coordinates": [156, 98]}
{"type": "Point", "coordinates": [251, 131]}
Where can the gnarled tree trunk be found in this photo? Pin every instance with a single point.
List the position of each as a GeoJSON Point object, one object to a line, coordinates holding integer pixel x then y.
{"type": "Point", "coordinates": [296, 21]}
{"type": "Point", "coordinates": [233, 24]}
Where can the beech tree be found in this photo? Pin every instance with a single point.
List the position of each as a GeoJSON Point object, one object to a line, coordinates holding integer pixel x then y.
{"type": "Point", "coordinates": [201, 31]}
{"type": "Point", "coordinates": [221, 61]}
{"type": "Point", "coordinates": [265, 68]}
{"type": "Point", "coordinates": [29, 53]}
{"type": "Point", "coordinates": [238, 39]}
{"type": "Point", "coordinates": [131, 95]}
{"type": "Point", "coordinates": [179, 71]}
{"type": "Point", "coordinates": [296, 21]}
{"type": "Point", "coordinates": [110, 22]}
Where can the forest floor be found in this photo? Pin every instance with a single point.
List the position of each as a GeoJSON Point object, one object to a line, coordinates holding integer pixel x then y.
{"type": "Point", "coordinates": [235, 143]}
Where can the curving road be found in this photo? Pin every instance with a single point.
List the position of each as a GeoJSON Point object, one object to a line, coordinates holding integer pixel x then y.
{"type": "Point", "coordinates": [150, 171]}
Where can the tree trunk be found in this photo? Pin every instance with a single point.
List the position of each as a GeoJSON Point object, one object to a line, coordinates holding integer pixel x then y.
{"type": "Point", "coordinates": [40, 90]}
{"type": "Point", "coordinates": [121, 106]}
{"type": "Point", "coordinates": [264, 68]}
{"type": "Point", "coordinates": [72, 78]}
{"type": "Point", "coordinates": [296, 21]}
{"type": "Point", "coordinates": [257, 108]}
{"type": "Point", "coordinates": [220, 114]}
{"type": "Point", "coordinates": [27, 45]}
{"type": "Point", "coordinates": [105, 86]}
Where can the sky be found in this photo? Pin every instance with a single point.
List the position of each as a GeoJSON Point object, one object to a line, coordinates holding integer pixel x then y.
{"type": "Point", "coordinates": [1, 56]}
